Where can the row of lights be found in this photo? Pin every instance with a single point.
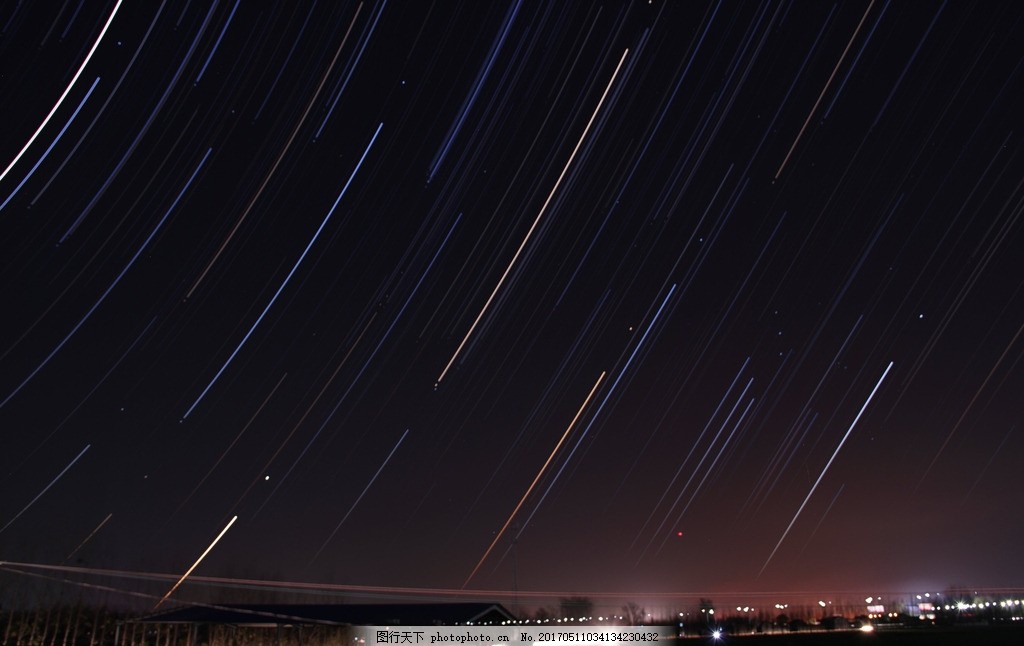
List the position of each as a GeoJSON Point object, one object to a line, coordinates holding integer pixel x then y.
{"type": "Point", "coordinates": [963, 605]}
{"type": "Point", "coordinates": [570, 619]}
{"type": "Point", "coordinates": [782, 606]}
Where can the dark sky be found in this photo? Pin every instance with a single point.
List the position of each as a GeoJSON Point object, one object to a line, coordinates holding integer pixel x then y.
{"type": "Point", "coordinates": [687, 296]}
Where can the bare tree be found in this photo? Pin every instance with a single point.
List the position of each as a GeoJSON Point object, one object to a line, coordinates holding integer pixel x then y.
{"type": "Point", "coordinates": [633, 614]}
{"type": "Point", "coordinates": [576, 608]}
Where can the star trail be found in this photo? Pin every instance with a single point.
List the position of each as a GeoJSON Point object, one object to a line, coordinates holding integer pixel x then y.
{"type": "Point", "coordinates": [631, 292]}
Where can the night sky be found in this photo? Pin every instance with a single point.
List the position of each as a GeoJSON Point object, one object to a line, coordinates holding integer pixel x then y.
{"type": "Point", "coordinates": [567, 296]}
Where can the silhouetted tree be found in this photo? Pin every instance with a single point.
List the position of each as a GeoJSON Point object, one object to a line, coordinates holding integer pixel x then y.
{"type": "Point", "coordinates": [633, 615]}
{"type": "Point", "coordinates": [576, 607]}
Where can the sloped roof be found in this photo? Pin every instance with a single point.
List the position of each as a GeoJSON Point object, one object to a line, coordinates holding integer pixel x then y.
{"type": "Point", "coordinates": [358, 614]}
